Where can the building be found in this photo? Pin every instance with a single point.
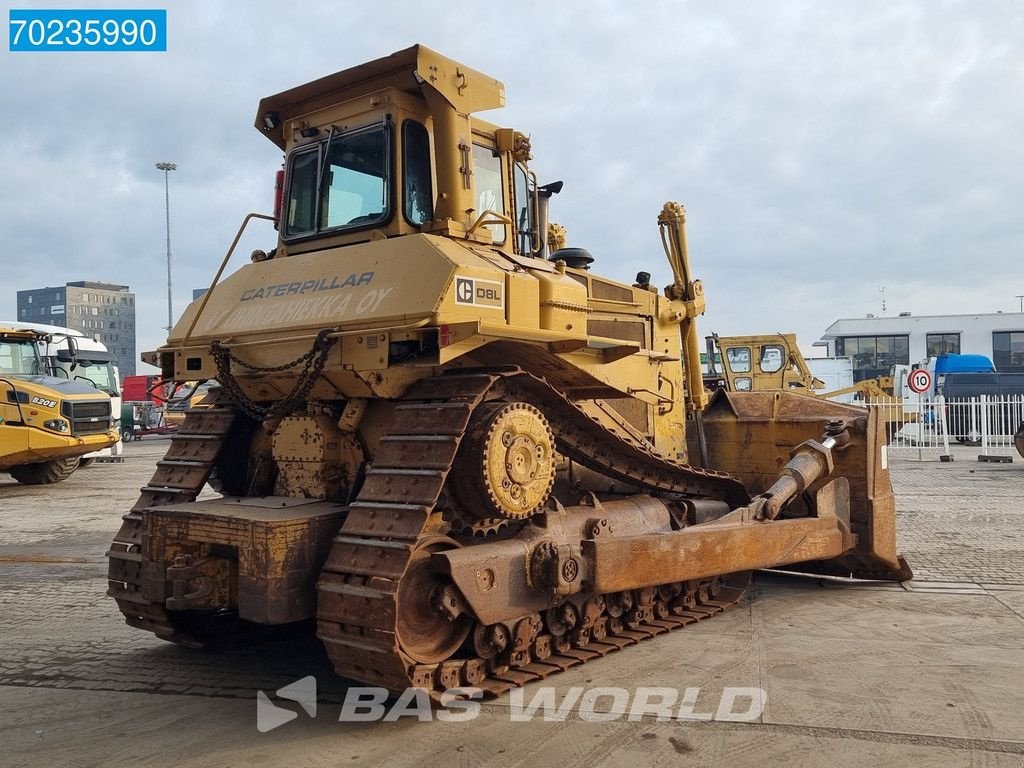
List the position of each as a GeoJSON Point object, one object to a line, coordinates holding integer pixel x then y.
{"type": "Point", "coordinates": [198, 293]}
{"type": "Point", "coordinates": [876, 344]}
{"type": "Point", "coordinates": [104, 311]}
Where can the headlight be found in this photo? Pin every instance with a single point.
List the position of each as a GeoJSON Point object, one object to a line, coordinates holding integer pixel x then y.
{"type": "Point", "coordinates": [57, 425]}
{"type": "Point", "coordinates": [116, 424]}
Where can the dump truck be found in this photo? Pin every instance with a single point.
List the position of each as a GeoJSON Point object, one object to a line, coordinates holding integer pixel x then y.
{"type": "Point", "coordinates": [469, 459]}
{"type": "Point", "coordinates": [70, 354]}
{"type": "Point", "coordinates": [47, 423]}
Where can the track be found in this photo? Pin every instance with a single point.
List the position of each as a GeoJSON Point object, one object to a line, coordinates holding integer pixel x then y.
{"type": "Point", "coordinates": [178, 479]}
{"type": "Point", "coordinates": [395, 518]}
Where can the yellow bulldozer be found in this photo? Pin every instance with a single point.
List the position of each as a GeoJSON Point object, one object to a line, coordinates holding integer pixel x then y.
{"type": "Point", "coordinates": [772, 361]}
{"type": "Point", "coordinates": [470, 459]}
{"type": "Point", "coordinates": [758, 362]}
{"type": "Point", "coordinates": [46, 423]}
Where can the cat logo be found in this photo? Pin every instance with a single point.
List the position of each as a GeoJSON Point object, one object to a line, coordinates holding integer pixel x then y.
{"type": "Point", "coordinates": [482, 293]}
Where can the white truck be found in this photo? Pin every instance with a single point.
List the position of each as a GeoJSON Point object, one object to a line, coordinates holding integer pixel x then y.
{"type": "Point", "coordinates": [73, 355]}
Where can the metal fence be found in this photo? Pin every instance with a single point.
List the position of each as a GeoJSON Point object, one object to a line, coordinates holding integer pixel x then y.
{"type": "Point", "coordinates": [930, 427]}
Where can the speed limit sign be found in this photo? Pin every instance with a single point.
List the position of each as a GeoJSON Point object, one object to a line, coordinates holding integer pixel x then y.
{"type": "Point", "coordinates": [920, 381]}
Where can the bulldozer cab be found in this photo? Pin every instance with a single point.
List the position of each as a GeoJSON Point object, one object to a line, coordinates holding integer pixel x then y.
{"type": "Point", "coordinates": [389, 148]}
{"type": "Point", "coordinates": [758, 363]}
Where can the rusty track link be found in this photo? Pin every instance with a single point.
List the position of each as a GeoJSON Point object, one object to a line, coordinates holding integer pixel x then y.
{"type": "Point", "coordinates": [358, 601]}
{"type": "Point", "coordinates": [178, 479]}
{"type": "Point", "coordinates": [548, 655]}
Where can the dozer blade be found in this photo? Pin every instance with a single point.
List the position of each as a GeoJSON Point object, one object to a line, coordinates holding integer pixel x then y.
{"type": "Point", "coordinates": [751, 434]}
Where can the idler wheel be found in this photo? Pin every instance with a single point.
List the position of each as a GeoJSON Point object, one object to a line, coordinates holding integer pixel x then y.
{"type": "Point", "coordinates": [424, 633]}
{"type": "Point", "coordinates": [506, 463]}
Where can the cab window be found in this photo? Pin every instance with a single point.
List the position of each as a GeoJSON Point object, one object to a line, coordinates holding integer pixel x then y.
{"type": "Point", "coordinates": [772, 358]}
{"type": "Point", "coordinates": [302, 193]}
{"type": "Point", "coordinates": [739, 359]}
{"type": "Point", "coordinates": [489, 196]}
{"type": "Point", "coordinates": [417, 189]}
{"type": "Point", "coordinates": [524, 212]}
{"type": "Point", "coordinates": [19, 358]}
{"type": "Point", "coordinates": [351, 169]}
{"type": "Point", "coordinates": [354, 185]}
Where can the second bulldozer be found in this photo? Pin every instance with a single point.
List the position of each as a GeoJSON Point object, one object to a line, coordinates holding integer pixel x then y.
{"type": "Point", "coordinates": [470, 460]}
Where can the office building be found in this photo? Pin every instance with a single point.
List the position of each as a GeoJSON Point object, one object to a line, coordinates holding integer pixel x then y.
{"type": "Point", "coordinates": [104, 311]}
{"type": "Point", "coordinates": [876, 344]}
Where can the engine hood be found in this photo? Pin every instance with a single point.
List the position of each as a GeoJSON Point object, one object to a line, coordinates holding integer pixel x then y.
{"type": "Point", "coordinates": [63, 387]}
{"type": "Point", "coordinates": [393, 281]}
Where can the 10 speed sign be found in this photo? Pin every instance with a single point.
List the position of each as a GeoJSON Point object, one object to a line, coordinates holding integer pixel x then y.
{"type": "Point", "coordinates": [920, 381]}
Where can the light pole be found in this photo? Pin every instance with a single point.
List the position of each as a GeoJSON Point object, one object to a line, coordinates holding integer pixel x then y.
{"type": "Point", "coordinates": [167, 168]}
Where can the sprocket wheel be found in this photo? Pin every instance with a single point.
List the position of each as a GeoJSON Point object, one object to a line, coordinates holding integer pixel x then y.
{"type": "Point", "coordinates": [506, 464]}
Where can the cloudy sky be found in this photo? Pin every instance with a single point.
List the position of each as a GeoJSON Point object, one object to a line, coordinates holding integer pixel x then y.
{"type": "Point", "coordinates": [822, 149]}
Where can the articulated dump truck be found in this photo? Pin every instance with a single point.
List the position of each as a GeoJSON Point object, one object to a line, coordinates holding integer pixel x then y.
{"type": "Point", "coordinates": [462, 454]}
{"type": "Point", "coordinates": [47, 423]}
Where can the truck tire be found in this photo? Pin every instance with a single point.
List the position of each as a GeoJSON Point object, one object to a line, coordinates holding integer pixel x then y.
{"type": "Point", "coordinates": [45, 472]}
{"type": "Point", "coordinates": [83, 463]}
{"type": "Point", "coordinates": [1018, 440]}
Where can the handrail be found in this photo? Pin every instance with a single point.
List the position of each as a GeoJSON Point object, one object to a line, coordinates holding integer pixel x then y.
{"type": "Point", "coordinates": [488, 218]}
{"type": "Point", "coordinates": [216, 278]}
{"type": "Point", "coordinates": [17, 402]}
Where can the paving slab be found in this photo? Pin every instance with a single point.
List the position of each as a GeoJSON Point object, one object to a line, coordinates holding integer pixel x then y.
{"type": "Point", "coordinates": [86, 729]}
{"type": "Point", "coordinates": [924, 674]}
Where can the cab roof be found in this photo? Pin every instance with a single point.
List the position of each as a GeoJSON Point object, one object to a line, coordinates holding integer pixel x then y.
{"type": "Point", "coordinates": [412, 69]}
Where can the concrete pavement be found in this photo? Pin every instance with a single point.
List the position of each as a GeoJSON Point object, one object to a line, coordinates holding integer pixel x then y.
{"type": "Point", "coordinates": [931, 674]}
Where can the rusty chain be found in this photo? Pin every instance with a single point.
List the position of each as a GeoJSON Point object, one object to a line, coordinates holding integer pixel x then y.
{"type": "Point", "coordinates": [313, 362]}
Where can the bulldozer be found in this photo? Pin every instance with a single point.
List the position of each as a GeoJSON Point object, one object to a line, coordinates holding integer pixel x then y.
{"type": "Point", "coordinates": [773, 361]}
{"type": "Point", "coordinates": [445, 441]}
{"type": "Point", "coordinates": [47, 423]}
{"type": "Point", "coordinates": [758, 362]}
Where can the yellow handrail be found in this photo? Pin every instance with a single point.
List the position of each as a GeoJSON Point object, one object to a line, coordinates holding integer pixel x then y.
{"type": "Point", "coordinates": [224, 263]}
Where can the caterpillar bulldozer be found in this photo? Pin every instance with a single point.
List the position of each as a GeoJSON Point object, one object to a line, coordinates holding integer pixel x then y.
{"type": "Point", "coordinates": [46, 423]}
{"type": "Point", "coordinates": [444, 441]}
{"type": "Point", "coordinates": [758, 362]}
{"type": "Point", "coordinates": [774, 361]}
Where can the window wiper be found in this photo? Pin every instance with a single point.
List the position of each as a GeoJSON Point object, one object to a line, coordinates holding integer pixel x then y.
{"type": "Point", "coordinates": [323, 174]}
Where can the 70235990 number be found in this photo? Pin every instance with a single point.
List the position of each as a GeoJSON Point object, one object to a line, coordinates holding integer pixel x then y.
{"type": "Point", "coordinates": [87, 30]}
